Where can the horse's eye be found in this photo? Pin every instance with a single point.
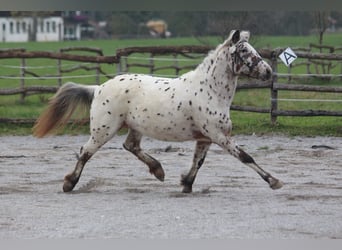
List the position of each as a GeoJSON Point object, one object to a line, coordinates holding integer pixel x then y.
{"type": "Point", "coordinates": [244, 50]}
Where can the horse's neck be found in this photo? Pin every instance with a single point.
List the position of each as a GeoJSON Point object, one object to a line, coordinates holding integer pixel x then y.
{"type": "Point", "coordinates": [215, 72]}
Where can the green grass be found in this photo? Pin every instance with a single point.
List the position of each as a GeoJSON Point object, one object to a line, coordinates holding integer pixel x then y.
{"type": "Point", "coordinates": [294, 41]}
{"type": "Point", "coordinates": [109, 47]}
{"type": "Point", "coordinates": [253, 123]}
{"type": "Point", "coordinates": [243, 122]}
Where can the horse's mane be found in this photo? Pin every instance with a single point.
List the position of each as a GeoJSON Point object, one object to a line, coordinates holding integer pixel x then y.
{"type": "Point", "coordinates": [244, 35]}
{"type": "Point", "coordinates": [212, 54]}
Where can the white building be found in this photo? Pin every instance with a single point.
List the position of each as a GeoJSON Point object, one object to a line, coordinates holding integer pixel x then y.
{"type": "Point", "coordinates": [50, 29]}
{"type": "Point", "coordinates": [19, 29]}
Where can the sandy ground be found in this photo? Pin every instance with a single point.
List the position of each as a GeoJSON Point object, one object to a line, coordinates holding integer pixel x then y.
{"type": "Point", "coordinates": [118, 198]}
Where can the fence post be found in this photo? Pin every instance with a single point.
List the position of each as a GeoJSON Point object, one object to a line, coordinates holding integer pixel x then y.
{"type": "Point", "coordinates": [274, 92]}
{"type": "Point", "coordinates": [22, 80]}
{"type": "Point", "coordinates": [59, 69]}
{"type": "Point", "coordinates": [124, 66]}
{"type": "Point", "coordinates": [118, 66]}
{"type": "Point", "coordinates": [151, 64]}
{"type": "Point", "coordinates": [97, 78]}
{"type": "Point", "coordinates": [176, 64]}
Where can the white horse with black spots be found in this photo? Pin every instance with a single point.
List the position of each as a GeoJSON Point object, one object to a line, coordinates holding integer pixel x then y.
{"type": "Point", "coordinates": [194, 106]}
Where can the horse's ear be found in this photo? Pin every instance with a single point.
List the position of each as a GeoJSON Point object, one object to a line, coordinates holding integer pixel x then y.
{"type": "Point", "coordinates": [244, 35]}
{"type": "Point", "coordinates": [236, 36]}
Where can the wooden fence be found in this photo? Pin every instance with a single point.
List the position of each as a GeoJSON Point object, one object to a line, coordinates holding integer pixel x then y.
{"type": "Point", "coordinates": [179, 59]}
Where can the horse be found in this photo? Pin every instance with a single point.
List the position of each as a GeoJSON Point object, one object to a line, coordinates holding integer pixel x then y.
{"type": "Point", "coordinates": [194, 106]}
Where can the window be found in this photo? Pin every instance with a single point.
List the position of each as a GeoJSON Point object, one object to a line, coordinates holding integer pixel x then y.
{"type": "Point", "coordinates": [41, 26]}
{"type": "Point", "coordinates": [48, 27]}
{"type": "Point", "coordinates": [23, 27]}
{"type": "Point", "coordinates": [53, 26]}
{"type": "Point", "coordinates": [18, 27]}
{"type": "Point", "coordinates": [11, 27]}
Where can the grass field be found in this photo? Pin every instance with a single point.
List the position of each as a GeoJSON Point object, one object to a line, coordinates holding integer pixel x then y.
{"type": "Point", "coordinates": [244, 122]}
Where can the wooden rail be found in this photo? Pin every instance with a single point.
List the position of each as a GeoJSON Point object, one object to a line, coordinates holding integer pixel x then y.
{"type": "Point", "coordinates": [175, 54]}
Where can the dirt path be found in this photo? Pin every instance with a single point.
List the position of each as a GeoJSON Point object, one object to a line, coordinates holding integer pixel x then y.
{"type": "Point", "coordinates": [117, 197]}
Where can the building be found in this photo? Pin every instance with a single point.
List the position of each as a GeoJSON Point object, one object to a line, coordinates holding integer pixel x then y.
{"type": "Point", "coordinates": [23, 28]}
{"type": "Point", "coordinates": [50, 26]}
{"type": "Point", "coordinates": [73, 24]}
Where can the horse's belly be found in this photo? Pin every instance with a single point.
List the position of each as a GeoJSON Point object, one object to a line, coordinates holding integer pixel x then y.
{"type": "Point", "coordinates": [162, 129]}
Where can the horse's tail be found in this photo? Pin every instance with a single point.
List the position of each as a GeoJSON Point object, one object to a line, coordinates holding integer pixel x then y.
{"type": "Point", "coordinates": [61, 107]}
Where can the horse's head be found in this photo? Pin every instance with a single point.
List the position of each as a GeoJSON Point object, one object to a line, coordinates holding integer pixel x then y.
{"type": "Point", "coordinates": [245, 60]}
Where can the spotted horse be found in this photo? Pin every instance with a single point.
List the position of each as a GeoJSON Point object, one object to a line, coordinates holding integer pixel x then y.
{"type": "Point", "coordinates": [194, 106]}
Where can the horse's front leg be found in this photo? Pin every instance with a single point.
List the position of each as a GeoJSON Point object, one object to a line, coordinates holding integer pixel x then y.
{"type": "Point", "coordinates": [132, 144]}
{"type": "Point", "coordinates": [228, 144]}
{"type": "Point", "coordinates": [199, 157]}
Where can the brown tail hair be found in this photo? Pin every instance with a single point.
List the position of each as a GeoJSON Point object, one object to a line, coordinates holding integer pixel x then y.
{"type": "Point", "coordinates": [61, 107]}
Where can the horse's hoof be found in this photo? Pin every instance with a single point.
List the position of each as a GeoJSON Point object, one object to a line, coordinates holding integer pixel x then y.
{"type": "Point", "coordinates": [275, 183]}
{"type": "Point", "coordinates": [187, 189]}
{"type": "Point", "coordinates": [68, 186]}
{"type": "Point", "coordinates": [187, 185]}
{"type": "Point", "coordinates": [159, 173]}
{"type": "Point", "coordinates": [69, 183]}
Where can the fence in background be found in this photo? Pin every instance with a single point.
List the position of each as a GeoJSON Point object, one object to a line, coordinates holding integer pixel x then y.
{"type": "Point", "coordinates": [66, 64]}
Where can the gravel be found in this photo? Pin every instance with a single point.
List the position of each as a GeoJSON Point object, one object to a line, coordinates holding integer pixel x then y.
{"type": "Point", "coordinates": [117, 198]}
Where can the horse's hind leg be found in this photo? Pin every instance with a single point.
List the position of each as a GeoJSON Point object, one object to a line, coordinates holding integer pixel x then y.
{"type": "Point", "coordinates": [199, 156]}
{"type": "Point", "coordinates": [71, 179]}
{"type": "Point", "coordinates": [228, 144]}
{"type": "Point", "coordinates": [132, 144]}
{"type": "Point", "coordinates": [97, 139]}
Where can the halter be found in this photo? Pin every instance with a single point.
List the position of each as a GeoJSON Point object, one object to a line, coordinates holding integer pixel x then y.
{"type": "Point", "coordinates": [237, 59]}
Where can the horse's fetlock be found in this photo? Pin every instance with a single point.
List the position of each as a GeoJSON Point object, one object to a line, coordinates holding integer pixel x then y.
{"type": "Point", "coordinates": [186, 183]}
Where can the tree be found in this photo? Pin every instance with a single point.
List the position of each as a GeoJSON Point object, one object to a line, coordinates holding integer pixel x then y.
{"type": "Point", "coordinates": [321, 20]}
